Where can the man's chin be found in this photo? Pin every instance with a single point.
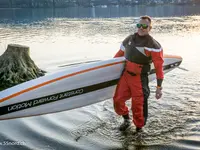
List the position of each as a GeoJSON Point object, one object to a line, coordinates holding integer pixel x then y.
{"type": "Point", "coordinates": [141, 34]}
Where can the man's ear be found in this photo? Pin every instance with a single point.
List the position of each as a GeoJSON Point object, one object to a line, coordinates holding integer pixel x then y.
{"type": "Point", "coordinates": [150, 28]}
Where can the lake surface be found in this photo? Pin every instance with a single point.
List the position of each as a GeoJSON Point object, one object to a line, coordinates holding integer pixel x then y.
{"type": "Point", "coordinates": [65, 36]}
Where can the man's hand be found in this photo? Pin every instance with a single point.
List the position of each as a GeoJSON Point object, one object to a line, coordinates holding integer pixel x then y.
{"type": "Point", "coordinates": [158, 93]}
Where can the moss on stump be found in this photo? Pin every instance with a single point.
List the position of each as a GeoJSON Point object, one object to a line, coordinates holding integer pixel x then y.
{"type": "Point", "coordinates": [16, 66]}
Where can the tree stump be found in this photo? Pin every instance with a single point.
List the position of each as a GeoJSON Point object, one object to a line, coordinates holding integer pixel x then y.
{"type": "Point", "coordinates": [16, 66]}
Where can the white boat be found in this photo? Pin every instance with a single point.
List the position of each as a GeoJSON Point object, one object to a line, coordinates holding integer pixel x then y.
{"type": "Point", "coordinates": [69, 88]}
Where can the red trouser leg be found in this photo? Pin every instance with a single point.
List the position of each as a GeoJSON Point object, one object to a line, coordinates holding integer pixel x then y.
{"type": "Point", "coordinates": [122, 94]}
{"type": "Point", "coordinates": [137, 88]}
{"type": "Point", "coordinates": [140, 93]}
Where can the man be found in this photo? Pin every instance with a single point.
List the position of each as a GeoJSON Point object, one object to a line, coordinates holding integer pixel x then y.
{"type": "Point", "coordinates": [140, 50]}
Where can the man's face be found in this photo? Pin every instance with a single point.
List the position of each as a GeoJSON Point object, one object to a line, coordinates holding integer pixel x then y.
{"type": "Point", "coordinates": [143, 27]}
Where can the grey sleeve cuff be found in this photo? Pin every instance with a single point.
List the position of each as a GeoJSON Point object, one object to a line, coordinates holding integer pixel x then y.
{"type": "Point", "coordinates": [159, 82]}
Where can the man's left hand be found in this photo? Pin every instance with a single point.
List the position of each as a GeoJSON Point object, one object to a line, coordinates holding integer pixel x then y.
{"type": "Point", "coordinates": [158, 93]}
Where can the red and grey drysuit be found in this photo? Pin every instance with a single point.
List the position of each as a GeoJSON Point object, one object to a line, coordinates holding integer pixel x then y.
{"type": "Point", "coordinates": [140, 52]}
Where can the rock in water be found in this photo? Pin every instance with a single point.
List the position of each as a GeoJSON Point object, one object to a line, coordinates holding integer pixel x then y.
{"type": "Point", "coordinates": [16, 66]}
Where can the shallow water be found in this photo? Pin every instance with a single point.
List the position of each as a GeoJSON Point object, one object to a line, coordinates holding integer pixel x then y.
{"type": "Point", "coordinates": [174, 121]}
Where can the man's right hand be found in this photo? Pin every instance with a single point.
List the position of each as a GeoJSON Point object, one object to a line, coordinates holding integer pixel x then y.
{"type": "Point", "coordinates": [158, 93]}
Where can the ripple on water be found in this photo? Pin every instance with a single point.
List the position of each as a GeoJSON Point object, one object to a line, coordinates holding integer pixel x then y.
{"type": "Point", "coordinates": [165, 124]}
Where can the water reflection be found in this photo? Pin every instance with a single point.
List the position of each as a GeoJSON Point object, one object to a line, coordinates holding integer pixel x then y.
{"type": "Point", "coordinates": [26, 15]}
{"type": "Point", "coordinates": [54, 42]}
